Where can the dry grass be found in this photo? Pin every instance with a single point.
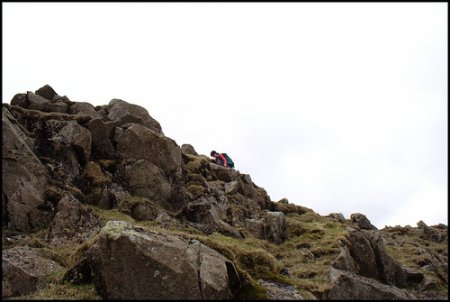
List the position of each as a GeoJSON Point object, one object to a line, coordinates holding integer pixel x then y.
{"type": "Point", "coordinates": [408, 248]}
{"type": "Point", "coordinates": [196, 190]}
{"type": "Point", "coordinates": [57, 290]}
{"type": "Point", "coordinates": [195, 163]}
{"type": "Point", "coordinates": [306, 254]}
{"type": "Point", "coordinates": [94, 174]}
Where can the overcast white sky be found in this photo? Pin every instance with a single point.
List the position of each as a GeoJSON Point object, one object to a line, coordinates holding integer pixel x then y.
{"type": "Point", "coordinates": [339, 107]}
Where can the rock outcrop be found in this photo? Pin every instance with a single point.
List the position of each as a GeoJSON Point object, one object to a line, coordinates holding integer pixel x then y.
{"type": "Point", "coordinates": [100, 195]}
{"type": "Point", "coordinates": [24, 178]}
{"type": "Point", "coordinates": [349, 286]}
{"type": "Point", "coordinates": [364, 269]}
{"type": "Point", "coordinates": [24, 270]}
{"type": "Point", "coordinates": [128, 263]}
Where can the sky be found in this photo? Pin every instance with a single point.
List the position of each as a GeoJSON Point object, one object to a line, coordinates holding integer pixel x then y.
{"type": "Point", "coordinates": [338, 107]}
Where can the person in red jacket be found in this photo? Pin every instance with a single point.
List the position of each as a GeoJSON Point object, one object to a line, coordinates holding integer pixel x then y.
{"type": "Point", "coordinates": [219, 158]}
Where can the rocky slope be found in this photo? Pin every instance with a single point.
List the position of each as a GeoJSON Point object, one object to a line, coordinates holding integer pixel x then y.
{"type": "Point", "coordinates": [98, 203]}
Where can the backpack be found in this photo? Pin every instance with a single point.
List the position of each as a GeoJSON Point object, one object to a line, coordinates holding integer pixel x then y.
{"type": "Point", "coordinates": [229, 160]}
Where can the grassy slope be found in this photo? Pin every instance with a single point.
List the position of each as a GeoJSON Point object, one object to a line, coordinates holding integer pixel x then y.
{"type": "Point", "coordinates": [301, 260]}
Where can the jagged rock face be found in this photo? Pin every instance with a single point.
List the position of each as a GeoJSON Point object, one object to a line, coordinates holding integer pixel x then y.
{"type": "Point", "coordinates": [59, 155]}
{"type": "Point", "coordinates": [366, 256]}
{"type": "Point", "coordinates": [132, 264]}
{"type": "Point", "coordinates": [24, 179]}
{"type": "Point", "coordinates": [50, 137]}
{"type": "Point", "coordinates": [363, 270]}
{"type": "Point", "coordinates": [67, 147]}
{"type": "Point", "coordinates": [23, 270]}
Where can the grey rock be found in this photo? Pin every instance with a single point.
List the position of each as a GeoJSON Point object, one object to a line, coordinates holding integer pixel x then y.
{"type": "Point", "coordinates": [138, 142]}
{"type": "Point", "coordinates": [144, 178]}
{"type": "Point", "coordinates": [47, 92]}
{"type": "Point", "coordinates": [24, 179]}
{"type": "Point", "coordinates": [126, 112]}
{"type": "Point", "coordinates": [175, 268]}
{"type": "Point", "coordinates": [349, 286]}
{"type": "Point", "coordinates": [102, 134]}
{"type": "Point", "coordinates": [362, 222]}
{"type": "Point", "coordinates": [271, 226]}
{"type": "Point", "coordinates": [37, 102]}
{"type": "Point", "coordinates": [339, 217]}
{"type": "Point", "coordinates": [79, 138]}
{"type": "Point", "coordinates": [280, 291]}
{"type": "Point", "coordinates": [84, 109]}
{"type": "Point", "coordinates": [188, 149]}
{"type": "Point", "coordinates": [222, 173]}
{"type": "Point", "coordinates": [20, 99]}
{"type": "Point", "coordinates": [24, 270]}
{"type": "Point", "coordinates": [74, 223]}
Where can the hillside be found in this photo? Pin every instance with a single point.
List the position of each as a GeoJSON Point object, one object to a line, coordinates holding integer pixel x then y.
{"type": "Point", "coordinates": [98, 203]}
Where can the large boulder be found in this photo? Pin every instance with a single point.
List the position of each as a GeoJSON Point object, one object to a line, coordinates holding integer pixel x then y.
{"type": "Point", "coordinates": [246, 186]}
{"type": "Point", "coordinates": [222, 173]}
{"type": "Point", "coordinates": [84, 108]}
{"type": "Point", "coordinates": [344, 261]}
{"type": "Point", "coordinates": [66, 145]}
{"type": "Point", "coordinates": [209, 216]}
{"type": "Point", "coordinates": [188, 149]}
{"type": "Point", "coordinates": [271, 226]}
{"type": "Point", "coordinates": [24, 179]}
{"type": "Point", "coordinates": [74, 223]}
{"type": "Point", "coordinates": [280, 291]}
{"type": "Point", "coordinates": [126, 112]}
{"type": "Point", "coordinates": [24, 270]}
{"type": "Point", "coordinates": [47, 92]}
{"type": "Point", "coordinates": [20, 99]}
{"type": "Point", "coordinates": [79, 139]}
{"type": "Point", "coordinates": [274, 226]}
{"type": "Point", "coordinates": [138, 142]}
{"type": "Point", "coordinates": [102, 133]}
{"type": "Point", "coordinates": [37, 102]}
{"type": "Point", "coordinates": [349, 286]}
{"type": "Point", "coordinates": [129, 263]}
{"type": "Point", "coordinates": [339, 217]}
{"type": "Point", "coordinates": [111, 195]}
{"type": "Point", "coordinates": [364, 254]}
{"type": "Point", "coordinates": [362, 221]}
{"type": "Point", "coordinates": [144, 178]}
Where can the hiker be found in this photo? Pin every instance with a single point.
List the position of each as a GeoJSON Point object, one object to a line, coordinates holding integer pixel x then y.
{"type": "Point", "coordinates": [222, 159]}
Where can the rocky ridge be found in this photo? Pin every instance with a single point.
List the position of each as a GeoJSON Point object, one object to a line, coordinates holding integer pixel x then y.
{"type": "Point", "coordinates": [98, 203]}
